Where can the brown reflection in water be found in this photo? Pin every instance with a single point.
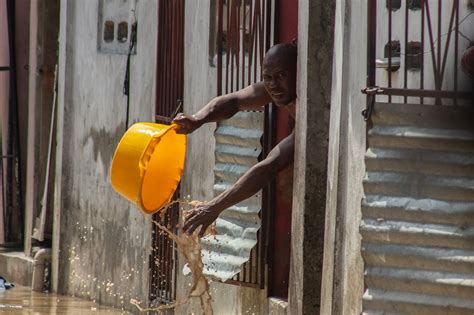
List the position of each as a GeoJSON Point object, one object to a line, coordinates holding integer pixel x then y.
{"type": "Point", "coordinates": [21, 300]}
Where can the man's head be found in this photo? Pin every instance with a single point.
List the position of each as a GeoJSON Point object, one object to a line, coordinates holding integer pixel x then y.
{"type": "Point", "coordinates": [279, 73]}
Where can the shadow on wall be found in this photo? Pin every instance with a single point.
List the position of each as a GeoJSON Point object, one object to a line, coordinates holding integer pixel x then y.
{"type": "Point", "coordinates": [104, 144]}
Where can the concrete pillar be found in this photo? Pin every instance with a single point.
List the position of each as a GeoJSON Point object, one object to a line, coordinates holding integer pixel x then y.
{"type": "Point", "coordinates": [315, 54]}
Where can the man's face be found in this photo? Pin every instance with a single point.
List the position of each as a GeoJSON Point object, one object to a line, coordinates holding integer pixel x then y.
{"type": "Point", "coordinates": [279, 80]}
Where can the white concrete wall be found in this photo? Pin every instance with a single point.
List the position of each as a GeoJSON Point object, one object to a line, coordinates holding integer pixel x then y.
{"type": "Point", "coordinates": [343, 287]}
{"type": "Point", "coordinates": [100, 238]}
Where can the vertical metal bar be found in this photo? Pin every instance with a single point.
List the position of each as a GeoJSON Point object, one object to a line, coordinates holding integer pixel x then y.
{"type": "Point", "coordinates": [405, 70]}
{"type": "Point", "coordinates": [14, 144]}
{"type": "Point", "coordinates": [244, 41]}
{"type": "Point", "coordinates": [390, 47]}
{"type": "Point", "coordinates": [238, 46]}
{"type": "Point", "coordinates": [438, 61]}
{"type": "Point", "coordinates": [422, 70]}
{"type": "Point", "coordinates": [231, 32]}
{"type": "Point", "coordinates": [371, 42]}
{"type": "Point", "coordinates": [448, 40]}
{"type": "Point", "coordinates": [257, 44]}
{"type": "Point", "coordinates": [220, 22]}
{"type": "Point", "coordinates": [456, 39]}
{"type": "Point", "coordinates": [251, 42]}
{"type": "Point", "coordinates": [227, 49]}
{"type": "Point", "coordinates": [267, 193]}
{"type": "Point", "coordinates": [244, 18]}
{"type": "Point", "coordinates": [432, 47]}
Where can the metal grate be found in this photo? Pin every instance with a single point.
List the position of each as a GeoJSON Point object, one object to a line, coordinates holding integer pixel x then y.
{"type": "Point", "coordinates": [244, 33]}
{"type": "Point", "coordinates": [164, 260]}
{"type": "Point", "coordinates": [440, 28]}
{"type": "Point", "coordinates": [12, 196]}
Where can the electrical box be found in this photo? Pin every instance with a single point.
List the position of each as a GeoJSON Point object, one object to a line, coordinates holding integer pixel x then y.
{"type": "Point", "coordinates": [116, 26]}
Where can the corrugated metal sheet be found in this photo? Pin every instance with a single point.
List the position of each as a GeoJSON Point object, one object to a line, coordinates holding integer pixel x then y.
{"type": "Point", "coordinates": [237, 149]}
{"type": "Point", "coordinates": [418, 211]}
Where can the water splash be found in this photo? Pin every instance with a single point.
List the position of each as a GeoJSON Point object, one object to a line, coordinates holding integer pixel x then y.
{"type": "Point", "coordinates": [189, 247]}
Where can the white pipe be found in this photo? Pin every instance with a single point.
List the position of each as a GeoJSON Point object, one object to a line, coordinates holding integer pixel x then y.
{"type": "Point", "coordinates": [41, 258]}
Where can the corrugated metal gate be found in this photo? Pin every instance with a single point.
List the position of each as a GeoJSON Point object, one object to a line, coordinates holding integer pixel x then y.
{"type": "Point", "coordinates": [244, 33]}
{"type": "Point", "coordinates": [418, 211]}
{"type": "Point", "coordinates": [169, 93]}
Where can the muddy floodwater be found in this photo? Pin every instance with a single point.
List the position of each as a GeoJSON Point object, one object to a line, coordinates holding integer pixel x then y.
{"type": "Point", "coordinates": [21, 300]}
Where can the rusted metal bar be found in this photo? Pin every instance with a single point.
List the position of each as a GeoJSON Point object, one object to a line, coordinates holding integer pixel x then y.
{"type": "Point", "coordinates": [456, 39]}
{"type": "Point", "coordinates": [405, 70]}
{"type": "Point", "coordinates": [244, 40]}
{"type": "Point", "coordinates": [371, 41]}
{"type": "Point", "coordinates": [5, 68]}
{"type": "Point", "coordinates": [14, 171]}
{"type": "Point", "coordinates": [227, 55]}
{"type": "Point", "coordinates": [445, 55]}
{"type": "Point", "coordinates": [390, 46]}
{"type": "Point", "coordinates": [422, 70]}
{"type": "Point", "coordinates": [432, 47]}
{"type": "Point", "coordinates": [427, 93]}
{"type": "Point", "coordinates": [438, 61]}
{"type": "Point", "coordinates": [220, 22]}
{"type": "Point", "coordinates": [269, 192]}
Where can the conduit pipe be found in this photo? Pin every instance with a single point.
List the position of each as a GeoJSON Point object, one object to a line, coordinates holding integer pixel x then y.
{"type": "Point", "coordinates": [42, 257]}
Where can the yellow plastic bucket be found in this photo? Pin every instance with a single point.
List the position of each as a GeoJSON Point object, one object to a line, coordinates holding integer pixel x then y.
{"type": "Point", "coordinates": [148, 164]}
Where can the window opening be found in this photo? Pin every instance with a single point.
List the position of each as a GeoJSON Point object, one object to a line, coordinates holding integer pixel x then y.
{"type": "Point", "coordinates": [413, 58]}
{"type": "Point", "coordinates": [109, 27]}
{"type": "Point", "coordinates": [414, 5]}
{"type": "Point", "coordinates": [122, 32]}
{"type": "Point", "coordinates": [393, 5]}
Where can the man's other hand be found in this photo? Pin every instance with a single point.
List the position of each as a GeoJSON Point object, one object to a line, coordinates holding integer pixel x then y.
{"type": "Point", "coordinates": [186, 124]}
{"type": "Point", "coordinates": [201, 215]}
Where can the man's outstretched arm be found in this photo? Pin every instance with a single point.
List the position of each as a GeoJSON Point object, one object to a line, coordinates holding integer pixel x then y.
{"type": "Point", "coordinates": [223, 107]}
{"type": "Point", "coordinates": [249, 184]}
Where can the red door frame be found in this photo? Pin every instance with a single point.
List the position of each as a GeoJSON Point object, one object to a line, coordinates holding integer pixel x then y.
{"type": "Point", "coordinates": [286, 30]}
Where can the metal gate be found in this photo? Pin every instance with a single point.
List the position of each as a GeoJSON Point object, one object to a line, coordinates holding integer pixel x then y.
{"type": "Point", "coordinates": [417, 222]}
{"type": "Point", "coordinates": [169, 93]}
{"type": "Point", "coordinates": [10, 167]}
{"type": "Point", "coordinates": [410, 47]}
{"type": "Point", "coordinates": [243, 34]}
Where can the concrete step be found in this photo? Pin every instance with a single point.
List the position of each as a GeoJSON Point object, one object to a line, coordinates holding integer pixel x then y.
{"type": "Point", "coordinates": [457, 285]}
{"type": "Point", "coordinates": [427, 162]}
{"type": "Point", "coordinates": [419, 186]}
{"type": "Point", "coordinates": [445, 117]}
{"type": "Point", "coordinates": [418, 210]}
{"type": "Point", "coordinates": [418, 257]}
{"type": "Point", "coordinates": [409, 137]}
{"type": "Point", "coordinates": [417, 234]}
{"type": "Point", "coordinates": [378, 302]}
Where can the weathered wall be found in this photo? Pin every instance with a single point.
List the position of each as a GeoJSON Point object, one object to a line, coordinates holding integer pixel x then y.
{"type": "Point", "coordinates": [343, 288]}
{"type": "Point", "coordinates": [198, 180]}
{"type": "Point", "coordinates": [104, 241]}
{"type": "Point", "coordinates": [315, 51]}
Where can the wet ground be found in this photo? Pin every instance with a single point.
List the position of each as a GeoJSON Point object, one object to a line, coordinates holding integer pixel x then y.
{"type": "Point", "coordinates": [21, 300]}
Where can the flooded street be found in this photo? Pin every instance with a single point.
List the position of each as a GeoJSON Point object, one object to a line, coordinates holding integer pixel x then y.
{"type": "Point", "coordinates": [21, 300]}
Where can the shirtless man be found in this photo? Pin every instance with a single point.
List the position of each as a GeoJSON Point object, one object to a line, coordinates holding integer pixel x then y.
{"type": "Point", "coordinates": [278, 86]}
